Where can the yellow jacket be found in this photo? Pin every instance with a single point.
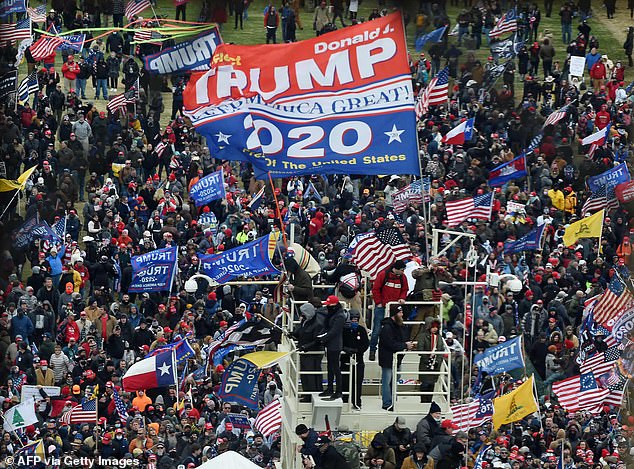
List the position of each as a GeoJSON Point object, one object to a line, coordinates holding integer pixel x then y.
{"type": "Point", "coordinates": [557, 198]}
{"type": "Point", "coordinates": [570, 202]}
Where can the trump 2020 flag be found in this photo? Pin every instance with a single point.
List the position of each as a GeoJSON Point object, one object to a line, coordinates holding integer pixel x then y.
{"type": "Point", "coordinates": [336, 104]}
{"type": "Point", "coordinates": [239, 383]}
{"type": "Point", "coordinates": [529, 242]}
{"type": "Point", "coordinates": [504, 357]}
{"type": "Point", "coordinates": [208, 188]}
{"type": "Point", "coordinates": [506, 172]}
{"type": "Point", "coordinates": [460, 133]}
{"type": "Point", "coordinates": [154, 372]}
{"type": "Point", "coordinates": [154, 271]}
{"type": "Point", "coordinates": [249, 260]}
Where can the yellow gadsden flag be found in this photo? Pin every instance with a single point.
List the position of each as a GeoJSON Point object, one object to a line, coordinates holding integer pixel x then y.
{"type": "Point", "coordinates": [7, 185]}
{"type": "Point", "coordinates": [589, 227]}
{"type": "Point", "coordinates": [515, 405]}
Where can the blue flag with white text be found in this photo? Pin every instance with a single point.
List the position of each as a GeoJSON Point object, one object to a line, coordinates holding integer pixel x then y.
{"type": "Point", "coordinates": [208, 188]}
{"type": "Point", "coordinates": [154, 271]}
{"type": "Point", "coordinates": [249, 260]}
{"type": "Point", "coordinates": [502, 358]}
{"type": "Point", "coordinates": [239, 383]}
{"type": "Point", "coordinates": [529, 242]}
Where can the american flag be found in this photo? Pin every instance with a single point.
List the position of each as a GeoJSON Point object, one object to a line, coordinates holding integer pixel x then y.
{"type": "Point", "coordinates": [28, 86]}
{"type": "Point", "coordinates": [478, 207]}
{"type": "Point", "coordinates": [436, 93]}
{"type": "Point", "coordinates": [120, 101]}
{"type": "Point", "coordinates": [38, 14]}
{"type": "Point", "coordinates": [614, 300]}
{"type": "Point", "coordinates": [269, 419]}
{"type": "Point", "coordinates": [410, 194]}
{"type": "Point", "coordinates": [60, 227]}
{"type": "Point", "coordinates": [134, 7]}
{"type": "Point", "coordinates": [472, 415]}
{"type": "Point", "coordinates": [15, 31]}
{"type": "Point", "coordinates": [556, 116]}
{"type": "Point", "coordinates": [582, 392]}
{"type": "Point", "coordinates": [146, 36]}
{"type": "Point", "coordinates": [601, 199]}
{"type": "Point", "coordinates": [377, 250]}
{"type": "Point", "coordinates": [160, 148]}
{"type": "Point", "coordinates": [45, 46]}
{"type": "Point", "coordinates": [86, 412]}
{"type": "Point", "coordinates": [506, 24]}
{"type": "Point", "coordinates": [602, 362]}
{"type": "Point", "coordinates": [119, 405]}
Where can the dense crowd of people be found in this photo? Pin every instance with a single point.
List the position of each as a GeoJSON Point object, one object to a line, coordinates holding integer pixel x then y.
{"type": "Point", "coordinates": [120, 185]}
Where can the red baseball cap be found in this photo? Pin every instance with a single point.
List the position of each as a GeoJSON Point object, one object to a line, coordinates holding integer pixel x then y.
{"type": "Point", "coordinates": [331, 300]}
{"type": "Point", "coordinates": [448, 424]}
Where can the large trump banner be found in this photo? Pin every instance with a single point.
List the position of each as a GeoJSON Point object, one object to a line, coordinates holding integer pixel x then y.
{"type": "Point", "coordinates": [154, 271]}
{"type": "Point", "coordinates": [341, 103]}
{"type": "Point", "coordinates": [194, 54]}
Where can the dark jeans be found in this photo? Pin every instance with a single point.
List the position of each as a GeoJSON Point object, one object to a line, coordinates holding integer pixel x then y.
{"type": "Point", "coordinates": [181, 10]}
{"type": "Point", "coordinates": [238, 15]}
{"type": "Point", "coordinates": [312, 362]}
{"type": "Point", "coordinates": [334, 370]}
{"type": "Point", "coordinates": [270, 35]}
{"type": "Point", "coordinates": [113, 81]}
{"type": "Point", "coordinates": [117, 20]}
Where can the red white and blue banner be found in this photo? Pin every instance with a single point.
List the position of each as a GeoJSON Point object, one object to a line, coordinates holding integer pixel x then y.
{"type": "Point", "coordinates": [460, 133]}
{"type": "Point", "coordinates": [514, 169]}
{"type": "Point", "coordinates": [194, 54]}
{"type": "Point", "coordinates": [341, 103]}
{"type": "Point", "coordinates": [208, 188]}
{"type": "Point", "coordinates": [154, 271]}
{"type": "Point", "coordinates": [249, 260]}
{"type": "Point", "coordinates": [154, 372]}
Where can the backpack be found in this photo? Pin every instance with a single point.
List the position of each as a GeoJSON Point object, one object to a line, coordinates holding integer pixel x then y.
{"type": "Point", "coordinates": [349, 285]}
{"type": "Point", "coordinates": [350, 451]}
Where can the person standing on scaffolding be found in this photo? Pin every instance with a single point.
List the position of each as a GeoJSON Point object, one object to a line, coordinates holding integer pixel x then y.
{"type": "Point", "coordinates": [429, 340]}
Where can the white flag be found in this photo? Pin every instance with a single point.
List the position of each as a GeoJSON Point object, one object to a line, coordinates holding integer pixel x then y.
{"type": "Point", "coordinates": [20, 416]}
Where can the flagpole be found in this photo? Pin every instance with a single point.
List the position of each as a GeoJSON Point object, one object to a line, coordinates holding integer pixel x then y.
{"type": "Point", "coordinates": [13, 431]}
{"type": "Point", "coordinates": [601, 233]}
{"type": "Point", "coordinates": [278, 212]}
{"type": "Point", "coordinates": [541, 425]}
{"type": "Point", "coordinates": [175, 374]}
{"type": "Point", "coordinates": [10, 202]}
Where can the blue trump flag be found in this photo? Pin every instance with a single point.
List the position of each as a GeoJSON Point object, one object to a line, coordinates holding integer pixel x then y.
{"type": "Point", "coordinates": [249, 260]}
{"type": "Point", "coordinates": [73, 42]}
{"type": "Point", "coordinates": [506, 172]}
{"type": "Point", "coordinates": [7, 7]}
{"type": "Point", "coordinates": [182, 349]}
{"type": "Point", "coordinates": [208, 220]}
{"type": "Point", "coordinates": [208, 188]}
{"type": "Point", "coordinates": [239, 383]}
{"type": "Point", "coordinates": [529, 242]}
{"type": "Point", "coordinates": [154, 271]}
{"type": "Point", "coordinates": [44, 231]}
{"type": "Point", "coordinates": [504, 357]}
{"type": "Point", "coordinates": [24, 235]}
{"type": "Point", "coordinates": [480, 458]}
{"type": "Point", "coordinates": [434, 36]}
{"type": "Point", "coordinates": [609, 180]}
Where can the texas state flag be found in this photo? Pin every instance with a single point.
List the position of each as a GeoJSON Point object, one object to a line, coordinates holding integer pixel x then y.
{"type": "Point", "coordinates": [597, 137]}
{"type": "Point", "coordinates": [505, 172]}
{"type": "Point", "coordinates": [154, 372]}
{"type": "Point", "coordinates": [460, 134]}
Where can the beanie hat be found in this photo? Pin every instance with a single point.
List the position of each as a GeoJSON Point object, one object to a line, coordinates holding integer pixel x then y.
{"type": "Point", "coordinates": [433, 408]}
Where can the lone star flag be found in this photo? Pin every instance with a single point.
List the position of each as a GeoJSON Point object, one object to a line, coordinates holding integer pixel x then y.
{"type": "Point", "coordinates": [515, 405]}
{"type": "Point", "coordinates": [478, 207]}
{"type": "Point", "coordinates": [589, 227]}
{"type": "Point", "coordinates": [506, 172]}
{"type": "Point", "coordinates": [341, 103]}
{"type": "Point", "coordinates": [154, 372]}
{"type": "Point", "coordinates": [460, 133]}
